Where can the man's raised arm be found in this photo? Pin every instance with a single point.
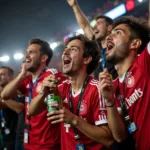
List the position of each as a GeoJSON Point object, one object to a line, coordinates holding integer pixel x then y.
{"type": "Point", "coordinates": [81, 19]}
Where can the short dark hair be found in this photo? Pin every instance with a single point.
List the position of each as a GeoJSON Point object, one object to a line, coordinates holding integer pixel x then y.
{"type": "Point", "coordinates": [108, 20]}
{"type": "Point", "coordinates": [90, 49]}
{"type": "Point", "coordinates": [138, 28]}
{"type": "Point", "coordinates": [45, 48]}
{"type": "Point", "coordinates": [10, 70]}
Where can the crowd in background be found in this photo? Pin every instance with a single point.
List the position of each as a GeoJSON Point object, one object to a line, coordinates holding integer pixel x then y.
{"type": "Point", "coordinates": [106, 110]}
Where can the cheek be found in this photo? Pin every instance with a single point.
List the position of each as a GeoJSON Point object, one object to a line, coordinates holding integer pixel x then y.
{"type": "Point", "coordinates": [118, 41]}
{"type": "Point", "coordinates": [99, 28]}
{"type": "Point", "coordinates": [74, 56]}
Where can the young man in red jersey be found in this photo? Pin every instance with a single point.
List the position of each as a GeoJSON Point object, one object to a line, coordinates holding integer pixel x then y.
{"type": "Point", "coordinates": [83, 114]}
{"type": "Point", "coordinates": [99, 33]}
{"type": "Point", "coordinates": [128, 49]}
{"type": "Point", "coordinates": [39, 133]}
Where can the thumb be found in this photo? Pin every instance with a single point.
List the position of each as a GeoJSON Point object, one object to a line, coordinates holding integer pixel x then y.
{"type": "Point", "coordinates": [23, 68]}
{"type": "Point", "coordinates": [105, 70]}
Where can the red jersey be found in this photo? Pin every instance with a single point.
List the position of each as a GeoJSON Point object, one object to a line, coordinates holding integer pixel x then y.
{"type": "Point", "coordinates": [92, 110]}
{"type": "Point", "coordinates": [137, 97]}
{"type": "Point", "coordinates": [42, 135]}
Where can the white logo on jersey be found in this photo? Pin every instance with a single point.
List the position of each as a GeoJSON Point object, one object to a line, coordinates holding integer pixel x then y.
{"type": "Point", "coordinates": [130, 80]}
{"type": "Point", "coordinates": [67, 126]}
{"type": "Point", "coordinates": [83, 108]}
{"type": "Point", "coordinates": [39, 87]}
{"type": "Point", "coordinates": [65, 100]}
{"type": "Point", "coordinates": [27, 86]}
{"type": "Point", "coordinates": [134, 97]}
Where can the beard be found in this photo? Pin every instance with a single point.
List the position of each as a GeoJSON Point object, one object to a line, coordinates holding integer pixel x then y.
{"type": "Point", "coordinates": [34, 67]}
{"type": "Point", "coordinates": [67, 72]}
{"type": "Point", "coordinates": [119, 55]}
{"type": "Point", "coordinates": [101, 36]}
{"type": "Point", "coordinates": [72, 70]}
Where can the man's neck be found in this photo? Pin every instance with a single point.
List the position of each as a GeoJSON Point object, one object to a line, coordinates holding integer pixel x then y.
{"type": "Point", "coordinates": [38, 72]}
{"type": "Point", "coordinates": [103, 43]}
{"type": "Point", "coordinates": [77, 82]}
{"type": "Point", "coordinates": [123, 66]}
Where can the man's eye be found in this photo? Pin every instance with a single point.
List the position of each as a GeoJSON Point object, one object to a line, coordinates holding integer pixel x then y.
{"type": "Point", "coordinates": [73, 49]}
{"type": "Point", "coordinates": [118, 32]}
{"type": "Point", "coordinates": [99, 23]}
{"type": "Point", "coordinates": [31, 52]}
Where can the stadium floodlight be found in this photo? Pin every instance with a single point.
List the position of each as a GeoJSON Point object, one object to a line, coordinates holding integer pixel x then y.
{"type": "Point", "coordinates": [80, 31]}
{"type": "Point", "coordinates": [140, 1]}
{"type": "Point", "coordinates": [4, 58]}
{"type": "Point", "coordinates": [18, 56]}
{"type": "Point", "coordinates": [53, 45]}
{"type": "Point", "coordinates": [92, 23]}
{"type": "Point", "coordinates": [116, 12]}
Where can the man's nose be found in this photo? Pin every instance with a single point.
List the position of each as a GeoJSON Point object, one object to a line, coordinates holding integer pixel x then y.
{"type": "Point", "coordinates": [109, 37]}
{"type": "Point", "coordinates": [66, 51]}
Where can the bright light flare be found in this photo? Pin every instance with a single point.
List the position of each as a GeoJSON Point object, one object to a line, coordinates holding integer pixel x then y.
{"type": "Point", "coordinates": [80, 31]}
{"type": "Point", "coordinates": [53, 45]}
{"type": "Point", "coordinates": [18, 56]}
{"type": "Point", "coordinates": [4, 58]}
{"type": "Point", "coordinates": [116, 12]}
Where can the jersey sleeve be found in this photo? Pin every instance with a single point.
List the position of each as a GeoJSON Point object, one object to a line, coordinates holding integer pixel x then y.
{"type": "Point", "coordinates": [59, 75]}
{"type": "Point", "coordinates": [144, 59]}
{"type": "Point", "coordinates": [98, 108]}
{"type": "Point", "coordinates": [117, 103]}
{"type": "Point", "coordinates": [22, 87]}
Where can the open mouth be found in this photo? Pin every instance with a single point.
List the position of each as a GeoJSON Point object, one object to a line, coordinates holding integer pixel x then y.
{"type": "Point", "coordinates": [27, 61]}
{"type": "Point", "coordinates": [66, 61]}
{"type": "Point", "coordinates": [96, 32]}
{"type": "Point", "coordinates": [110, 45]}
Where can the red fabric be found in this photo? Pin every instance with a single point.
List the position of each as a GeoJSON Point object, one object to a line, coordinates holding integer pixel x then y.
{"type": "Point", "coordinates": [43, 135]}
{"type": "Point", "coordinates": [137, 98]}
{"type": "Point", "coordinates": [92, 110]}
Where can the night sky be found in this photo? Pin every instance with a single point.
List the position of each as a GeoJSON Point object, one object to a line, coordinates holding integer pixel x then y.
{"type": "Point", "coordinates": [50, 20]}
{"type": "Point", "coordinates": [22, 20]}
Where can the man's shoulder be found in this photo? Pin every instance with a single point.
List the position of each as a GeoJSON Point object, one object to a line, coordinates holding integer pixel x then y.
{"type": "Point", "coordinates": [26, 81]}
{"type": "Point", "coordinates": [93, 82]}
{"type": "Point", "coordinates": [52, 71]}
{"type": "Point", "coordinates": [59, 75]}
{"type": "Point", "coordinates": [64, 83]}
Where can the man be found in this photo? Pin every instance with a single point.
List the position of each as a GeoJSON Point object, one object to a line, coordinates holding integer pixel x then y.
{"type": "Point", "coordinates": [83, 114]}
{"type": "Point", "coordinates": [125, 49]}
{"type": "Point", "coordinates": [39, 133]}
{"type": "Point", "coordinates": [101, 30]}
{"type": "Point", "coordinates": [8, 117]}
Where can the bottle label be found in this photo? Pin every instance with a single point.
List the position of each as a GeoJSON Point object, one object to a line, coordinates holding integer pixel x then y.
{"type": "Point", "coordinates": [52, 99]}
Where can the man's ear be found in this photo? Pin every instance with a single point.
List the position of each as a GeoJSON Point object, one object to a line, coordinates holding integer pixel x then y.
{"type": "Point", "coordinates": [135, 44]}
{"type": "Point", "coordinates": [44, 58]}
{"type": "Point", "coordinates": [87, 60]}
{"type": "Point", "coordinates": [109, 28]}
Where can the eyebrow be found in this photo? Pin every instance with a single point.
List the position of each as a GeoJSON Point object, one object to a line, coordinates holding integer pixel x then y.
{"type": "Point", "coordinates": [30, 50]}
{"type": "Point", "coordinates": [73, 46]}
{"type": "Point", "coordinates": [116, 29]}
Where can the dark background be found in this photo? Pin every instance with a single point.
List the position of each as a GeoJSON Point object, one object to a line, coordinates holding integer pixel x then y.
{"type": "Point", "coordinates": [50, 20]}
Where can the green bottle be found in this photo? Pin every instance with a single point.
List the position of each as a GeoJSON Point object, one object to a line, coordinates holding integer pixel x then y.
{"type": "Point", "coordinates": [52, 99]}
